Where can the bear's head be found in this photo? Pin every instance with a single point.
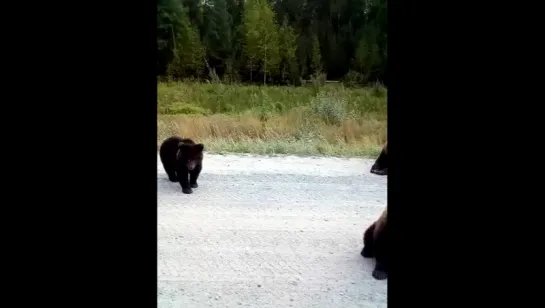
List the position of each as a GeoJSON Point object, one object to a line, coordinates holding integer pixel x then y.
{"type": "Point", "coordinates": [190, 154]}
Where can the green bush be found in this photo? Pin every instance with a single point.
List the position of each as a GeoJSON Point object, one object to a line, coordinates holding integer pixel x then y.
{"type": "Point", "coordinates": [181, 108]}
{"type": "Point", "coordinates": [331, 107]}
{"type": "Point", "coordinates": [353, 78]}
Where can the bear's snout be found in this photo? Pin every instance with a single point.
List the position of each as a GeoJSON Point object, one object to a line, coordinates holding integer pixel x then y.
{"type": "Point", "coordinates": [191, 165]}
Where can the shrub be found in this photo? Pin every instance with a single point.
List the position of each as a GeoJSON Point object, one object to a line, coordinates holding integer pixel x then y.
{"type": "Point", "coordinates": [331, 107]}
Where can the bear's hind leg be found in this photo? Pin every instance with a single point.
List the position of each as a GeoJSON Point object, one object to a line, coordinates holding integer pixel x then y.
{"type": "Point", "coordinates": [170, 169]}
{"type": "Point", "coordinates": [172, 176]}
{"type": "Point", "coordinates": [368, 245]}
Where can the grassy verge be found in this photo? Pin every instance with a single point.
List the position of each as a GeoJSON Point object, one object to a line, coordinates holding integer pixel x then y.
{"type": "Point", "coordinates": [326, 120]}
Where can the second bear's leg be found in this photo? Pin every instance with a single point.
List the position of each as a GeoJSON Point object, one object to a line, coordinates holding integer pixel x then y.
{"type": "Point", "coordinates": [194, 175]}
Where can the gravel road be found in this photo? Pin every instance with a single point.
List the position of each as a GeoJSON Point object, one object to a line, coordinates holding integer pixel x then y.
{"type": "Point", "coordinates": [269, 232]}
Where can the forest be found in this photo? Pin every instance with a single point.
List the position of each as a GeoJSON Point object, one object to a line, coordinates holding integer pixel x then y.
{"type": "Point", "coordinates": [277, 42]}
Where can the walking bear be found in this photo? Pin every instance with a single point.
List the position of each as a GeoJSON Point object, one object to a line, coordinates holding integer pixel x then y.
{"type": "Point", "coordinates": [182, 160]}
{"type": "Point", "coordinates": [375, 246]}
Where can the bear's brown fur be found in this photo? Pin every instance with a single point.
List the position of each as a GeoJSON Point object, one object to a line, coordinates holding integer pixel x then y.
{"type": "Point", "coordinates": [182, 159]}
{"type": "Point", "coordinates": [380, 167]}
{"type": "Point", "coordinates": [375, 244]}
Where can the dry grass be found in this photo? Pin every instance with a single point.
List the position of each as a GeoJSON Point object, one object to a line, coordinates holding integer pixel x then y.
{"type": "Point", "coordinates": [267, 120]}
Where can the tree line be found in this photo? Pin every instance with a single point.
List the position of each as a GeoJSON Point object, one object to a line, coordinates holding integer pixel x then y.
{"type": "Point", "coordinates": [272, 41]}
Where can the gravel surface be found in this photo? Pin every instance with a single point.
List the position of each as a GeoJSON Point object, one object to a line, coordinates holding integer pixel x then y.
{"type": "Point", "coordinates": [265, 232]}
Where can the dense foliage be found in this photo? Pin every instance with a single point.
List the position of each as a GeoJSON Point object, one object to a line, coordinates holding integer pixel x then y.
{"type": "Point", "coordinates": [272, 41]}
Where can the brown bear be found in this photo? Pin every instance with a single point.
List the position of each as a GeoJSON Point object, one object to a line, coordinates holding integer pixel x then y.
{"type": "Point", "coordinates": [374, 246]}
{"type": "Point", "coordinates": [381, 164]}
{"type": "Point", "coordinates": [182, 160]}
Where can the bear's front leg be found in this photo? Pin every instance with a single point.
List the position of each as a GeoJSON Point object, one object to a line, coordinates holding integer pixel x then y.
{"type": "Point", "coordinates": [183, 177]}
{"type": "Point", "coordinates": [381, 256]}
{"type": "Point", "coordinates": [194, 175]}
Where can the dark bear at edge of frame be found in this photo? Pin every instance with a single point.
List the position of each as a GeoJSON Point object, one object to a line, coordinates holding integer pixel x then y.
{"type": "Point", "coordinates": [380, 167]}
{"type": "Point", "coordinates": [182, 160]}
{"type": "Point", "coordinates": [375, 246]}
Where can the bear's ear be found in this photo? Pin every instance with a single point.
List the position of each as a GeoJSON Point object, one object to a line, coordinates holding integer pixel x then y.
{"type": "Point", "coordinates": [199, 147]}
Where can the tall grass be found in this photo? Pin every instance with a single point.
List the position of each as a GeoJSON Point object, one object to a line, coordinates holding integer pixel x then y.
{"type": "Point", "coordinates": [328, 120]}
